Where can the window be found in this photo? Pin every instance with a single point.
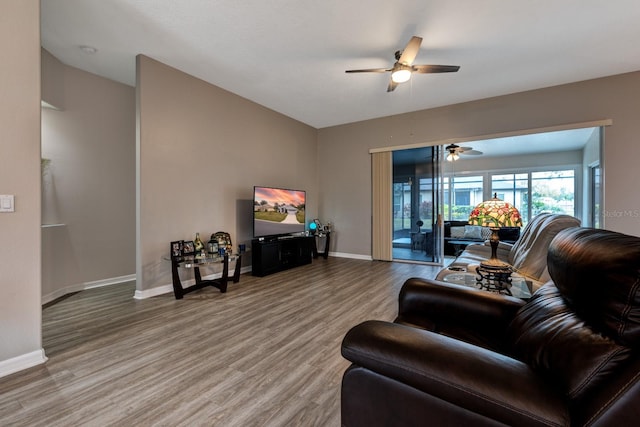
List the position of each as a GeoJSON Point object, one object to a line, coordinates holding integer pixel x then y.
{"type": "Point", "coordinates": [595, 191]}
{"type": "Point", "coordinates": [553, 192]}
{"type": "Point", "coordinates": [532, 192]}
{"type": "Point", "coordinates": [467, 192]}
{"type": "Point", "coordinates": [536, 192]}
{"type": "Point", "coordinates": [425, 208]}
{"type": "Point", "coordinates": [462, 197]}
{"type": "Point", "coordinates": [401, 206]}
{"type": "Point", "coordinates": [513, 188]}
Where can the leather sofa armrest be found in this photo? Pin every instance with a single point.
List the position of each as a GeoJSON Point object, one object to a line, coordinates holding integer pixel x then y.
{"type": "Point", "coordinates": [467, 376]}
{"type": "Point", "coordinates": [431, 304]}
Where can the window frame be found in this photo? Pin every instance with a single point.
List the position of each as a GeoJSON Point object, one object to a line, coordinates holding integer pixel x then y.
{"type": "Point", "coordinates": [488, 187]}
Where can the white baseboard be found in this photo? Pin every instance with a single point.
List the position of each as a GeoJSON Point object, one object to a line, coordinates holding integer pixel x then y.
{"type": "Point", "coordinates": [148, 293]}
{"type": "Point", "coordinates": [87, 285]}
{"type": "Point", "coordinates": [352, 256]}
{"type": "Point", "coordinates": [164, 289]}
{"type": "Point", "coordinates": [19, 363]}
{"type": "Point", "coordinates": [111, 281]}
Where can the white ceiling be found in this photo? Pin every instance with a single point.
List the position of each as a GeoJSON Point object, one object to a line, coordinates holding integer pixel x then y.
{"type": "Point", "coordinates": [290, 55]}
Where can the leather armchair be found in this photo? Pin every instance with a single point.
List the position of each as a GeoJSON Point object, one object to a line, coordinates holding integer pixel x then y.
{"type": "Point", "coordinates": [460, 356]}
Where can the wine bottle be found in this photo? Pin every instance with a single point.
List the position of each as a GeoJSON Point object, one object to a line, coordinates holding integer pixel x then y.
{"type": "Point", "coordinates": [197, 244]}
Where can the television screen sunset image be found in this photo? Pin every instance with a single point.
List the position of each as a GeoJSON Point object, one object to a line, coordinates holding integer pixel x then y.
{"type": "Point", "coordinates": [278, 211]}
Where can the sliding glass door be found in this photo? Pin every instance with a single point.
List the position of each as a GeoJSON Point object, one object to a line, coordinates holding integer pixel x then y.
{"type": "Point", "coordinates": [415, 204]}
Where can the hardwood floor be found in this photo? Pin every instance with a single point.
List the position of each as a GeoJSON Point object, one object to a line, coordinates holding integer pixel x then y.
{"type": "Point", "coordinates": [266, 353]}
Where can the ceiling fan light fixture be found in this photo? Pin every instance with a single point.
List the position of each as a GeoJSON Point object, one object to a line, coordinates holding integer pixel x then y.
{"type": "Point", "coordinates": [401, 74]}
{"type": "Point", "coordinates": [452, 156]}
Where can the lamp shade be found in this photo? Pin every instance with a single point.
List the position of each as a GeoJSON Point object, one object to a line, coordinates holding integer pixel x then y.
{"type": "Point", "coordinates": [452, 156]}
{"type": "Point", "coordinates": [401, 75]}
{"type": "Point", "coordinates": [495, 213]}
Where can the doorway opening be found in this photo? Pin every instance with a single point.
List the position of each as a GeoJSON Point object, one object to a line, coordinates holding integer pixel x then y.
{"type": "Point", "coordinates": [557, 171]}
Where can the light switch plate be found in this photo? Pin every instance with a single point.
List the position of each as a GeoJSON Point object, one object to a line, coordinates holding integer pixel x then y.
{"type": "Point", "coordinates": [7, 203]}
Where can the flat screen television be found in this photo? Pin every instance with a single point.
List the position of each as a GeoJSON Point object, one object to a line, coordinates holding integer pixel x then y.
{"type": "Point", "coordinates": [278, 211]}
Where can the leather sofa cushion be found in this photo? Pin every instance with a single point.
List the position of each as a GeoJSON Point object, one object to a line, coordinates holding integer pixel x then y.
{"type": "Point", "coordinates": [552, 339]}
{"type": "Point", "coordinates": [598, 273]}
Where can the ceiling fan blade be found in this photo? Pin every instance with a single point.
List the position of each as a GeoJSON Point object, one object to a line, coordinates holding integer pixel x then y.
{"type": "Point", "coordinates": [435, 68]}
{"type": "Point", "coordinates": [392, 86]}
{"type": "Point", "coordinates": [370, 70]}
{"type": "Point", "coordinates": [410, 51]}
{"type": "Point", "coordinates": [472, 152]}
{"type": "Point", "coordinates": [463, 149]}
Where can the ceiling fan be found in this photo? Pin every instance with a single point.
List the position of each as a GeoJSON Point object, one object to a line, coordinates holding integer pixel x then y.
{"type": "Point", "coordinates": [455, 151]}
{"type": "Point", "coordinates": [403, 68]}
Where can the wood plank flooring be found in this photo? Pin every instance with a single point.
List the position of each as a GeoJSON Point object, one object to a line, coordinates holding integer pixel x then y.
{"type": "Point", "coordinates": [266, 353]}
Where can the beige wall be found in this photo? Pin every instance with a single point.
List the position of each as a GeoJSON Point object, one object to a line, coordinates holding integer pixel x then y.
{"type": "Point", "coordinates": [88, 190]}
{"type": "Point", "coordinates": [345, 194]}
{"type": "Point", "coordinates": [20, 311]}
{"type": "Point", "coordinates": [201, 150]}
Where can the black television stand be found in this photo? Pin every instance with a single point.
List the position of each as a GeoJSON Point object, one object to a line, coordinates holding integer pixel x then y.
{"type": "Point", "coordinates": [282, 253]}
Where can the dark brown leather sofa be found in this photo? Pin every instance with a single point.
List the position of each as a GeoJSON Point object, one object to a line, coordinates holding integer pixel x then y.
{"type": "Point", "coordinates": [458, 356]}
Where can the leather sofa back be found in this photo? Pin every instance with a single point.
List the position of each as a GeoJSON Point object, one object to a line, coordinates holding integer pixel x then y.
{"type": "Point", "coordinates": [528, 256]}
{"type": "Point", "coordinates": [582, 329]}
{"type": "Point", "coordinates": [598, 274]}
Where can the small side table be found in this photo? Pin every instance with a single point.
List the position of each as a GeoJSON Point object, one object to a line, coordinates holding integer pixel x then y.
{"type": "Point", "coordinates": [195, 264]}
{"type": "Point", "coordinates": [495, 278]}
{"type": "Point", "coordinates": [520, 287]}
{"type": "Point", "coordinates": [327, 236]}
